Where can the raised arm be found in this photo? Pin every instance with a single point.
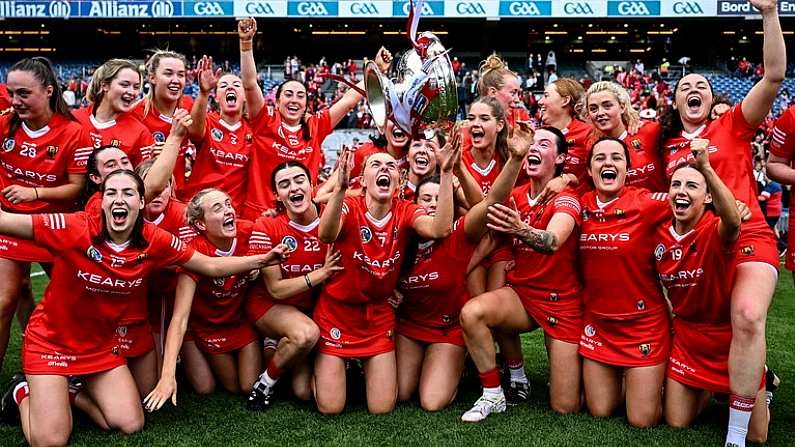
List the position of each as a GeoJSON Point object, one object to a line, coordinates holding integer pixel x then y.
{"type": "Point", "coordinates": [246, 30]}
{"type": "Point", "coordinates": [280, 288]}
{"type": "Point", "coordinates": [441, 224]}
{"type": "Point", "coordinates": [722, 198]}
{"type": "Point", "coordinates": [330, 223]}
{"type": "Point", "coordinates": [208, 79]}
{"type": "Point", "coordinates": [518, 146]}
{"type": "Point", "coordinates": [16, 225]}
{"type": "Point", "coordinates": [760, 98]}
{"type": "Point", "coordinates": [163, 167]}
{"type": "Point", "coordinates": [167, 385]}
{"type": "Point", "coordinates": [470, 187]}
{"type": "Point", "coordinates": [214, 267]}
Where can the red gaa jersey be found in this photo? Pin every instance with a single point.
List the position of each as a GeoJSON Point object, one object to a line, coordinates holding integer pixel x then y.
{"type": "Point", "coordinates": [645, 169]}
{"type": "Point", "coordinates": [222, 160]}
{"type": "Point", "coordinates": [698, 271]}
{"type": "Point", "coordinates": [101, 278]}
{"type": "Point", "coordinates": [275, 143]}
{"type": "Point", "coordinates": [782, 144]}
{"type": "Point", "coordinates": [219, 301]}
{"type": "Point", "coordinates": [577, 135]}
{"type": "Point", "coordinates": [435, 289]}
{"type": "Point", "coordinates": [484, 176]}
{"type": "Point", "coordinates": [42, 158]}
{"type": "Point", "coordinates": [372, 250]}
{"type": "Point", "coordinates": [125, 132]}
{"type": "Point", "coordinates": [554, 272]}
{"type": "Point", "coordinates": [160, 126]}
{"type": "Point", "coordinates": [616, 253]}
{"type": "Point", "coordinates": [307, 253]}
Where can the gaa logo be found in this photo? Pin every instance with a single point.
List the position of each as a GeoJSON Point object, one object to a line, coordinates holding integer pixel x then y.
{"type": "Point", "coordinates": [208, 9]}
{"type": "Point", "coordinates": [363, 8]}
{"type": "Point", "coordinates": [158, 137]}
{"type": "Point", "coordinates": [523, 9]}
{"type": "Point", "coordinates": [93, 254]}
{"type": "Point", "coordinates": [9, 144]}
{"type": "Point", "coordinates": [335, 333]}
{"type": "Point", "coordinates": [578, 8]}
{"type": "Point", "coordinates": [312, 9]}
{"type": "Point", "coordinates": [641, 305]}
{"type": "Point", "coordinates": [687, 8]}
{"type": "Point", "coordinates": [552, 321]}
{"type": "Point", "coordinates": [365, 234]}
{"type": "Point", "coordinates": [162, 8]}
{"type": "Point", "coordinates": [121, 331]}
{"type": "Point", "coordinates": [219, 282]}
{"type": "Point", "coordinates": [427, 9]}
{"type": "Point", "coordinates": [470, 8]}
{"type": "Point", "coordinates": [217, 134]}
{"type": "Point", "coordinates": [60, 9]}
{"type": "Point", "coordinates": [658, 252]}
{"type": "Point", "coordinates": [553, 297]}
{"type": "Point", "coordinates": [259, 8]}
{"type": "Point", "coordinates": [290, 242]}
{"type": "Point", "coordinates": [590, 331]}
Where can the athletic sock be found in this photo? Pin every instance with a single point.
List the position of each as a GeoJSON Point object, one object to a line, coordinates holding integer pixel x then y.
{"type": "Point", "coordinates": [21, 392]}
{"type": "Point", "coordinates": [491, 381]}
{"type": "Point", "coordinates": [740, 408]}
{"type": "Point", "coordinates": [516, 369]}
{"type": "Point", "coordinates": [270, 376]}
{"type": "Point", "coordinates": [74, 390]}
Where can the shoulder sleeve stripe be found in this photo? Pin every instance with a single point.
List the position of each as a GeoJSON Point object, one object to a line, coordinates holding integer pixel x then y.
{"type": "Point", "coordinates": [345, 209]}
{"type": "Point", "coordinates": [176, 244]}
{"type": "Point", "coordinates": [660, 196]}
{"type": "Point", "coordinates": [57, 221]}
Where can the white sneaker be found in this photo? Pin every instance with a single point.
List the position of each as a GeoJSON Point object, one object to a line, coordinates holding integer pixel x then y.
{"type": "Point", "coordinates": [487, 404]}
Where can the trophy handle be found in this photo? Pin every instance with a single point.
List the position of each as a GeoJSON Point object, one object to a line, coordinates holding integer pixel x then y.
{"type": "Point", "coordinates": [375, 85]}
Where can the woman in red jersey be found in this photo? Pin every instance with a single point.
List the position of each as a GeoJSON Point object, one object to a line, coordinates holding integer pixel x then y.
{"type": "Point", "coordinates": [282, 307]}
{"type": "Point", "coordinates": [223, 140]}
{"type": "Point", "coordinates": [102, 264]}
{"type": "Point", "coordinates": [696, 263]}
{"type": "Point", "coordinates": [371, 231]}
{"type": "Point", "coordinates": [560, 109]}
{"type": "Point", "coordinates": [780, 168]}
{"type": "Point", "coordinates": [543, 290]}
{"type": "Point", "coordinates": [214, 304]}
{"type": "Point", "coordinates": [43, 158]}
{"type": "Point", "coordinates": [285, 133]}
{"type": "Point", "coordinates": [166, 72]}
{"type": "Point", "coordinates": [608, 108]}
{"type": "Point", "coordinates": [502, 84]}
{"type": "Point", "coordinates": [757, 261]}
{"type": "Point", "coordinates": [626, 330]}
{"type": "Point", "coordinates": [114, 89]}
{"type": "Point", "coordinates": [430, 345]}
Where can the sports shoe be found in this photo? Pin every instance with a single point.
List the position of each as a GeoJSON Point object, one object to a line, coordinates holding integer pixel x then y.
{"type": "Point", "coordinates": [517, 393]}
{"type": "Point", "coordinates": [260, 397]}
{"type": "Point", "coordinates": [9, 411]}
{"type": "Point", "coordinates": [772, 383]}
{"type": "Point", "coordinates": [487, 404]}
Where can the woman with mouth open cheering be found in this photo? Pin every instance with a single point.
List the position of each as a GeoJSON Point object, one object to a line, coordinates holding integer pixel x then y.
{"type": "Point", "coordinates": [730, 156]}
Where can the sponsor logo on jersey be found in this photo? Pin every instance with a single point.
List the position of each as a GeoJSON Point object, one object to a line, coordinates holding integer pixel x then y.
{"type": "Point", "coordinates": [115, 143]}
{"type": "Point", "coordinates": [141, 257]}
{"type": "Point", "coordinates": [645, 349]}
{"type": "Point", "coordinates": [375, 263]}
{"type": "Point", "coordinates": [290, 242]}
{"type": "Point", "coordinates": [335, 333]}
{"type": "Point", "coordinates": [606, 237]}
{"type": "Point", "coordinates": [658, 252]}
{"type": "Point", "coordinates": [121, 331]}
{"type": "Point", "coordinates": [159, 137]}
{"type": "Point", "coordinates": [554, 297]}
{"type": "Point", "coordinates": [590, 331]}
{"type": "Point", "coordinates": [217, 134]}
{"type": "Point", "coordinates": [552, 320]}
{"type": "Point", "coordinates": [641, 304]}
{"type": "Point", "coordinates": [52, 150]}
{"type": "Point", "coordinates": [93, 254]}
{"type": "Point", "coordinates": [219, 282]}
{"type": "Point", "coordinates": [365, 234]}
{"type": "Point", "coordinates": [424, 277]}
{"type": "Point", "coordinates": [9, 144]}
{"type": "Point", "coordinates": [106, 281]}
{"type": "Point", "coordinates": [747, 250]}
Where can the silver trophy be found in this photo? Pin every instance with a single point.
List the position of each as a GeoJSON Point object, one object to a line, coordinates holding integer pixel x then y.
{"type": "Point", "coordinates": [417, 91]}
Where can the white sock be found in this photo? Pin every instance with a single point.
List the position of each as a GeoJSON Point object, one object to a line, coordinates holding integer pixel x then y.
{"type": "Point", "coordinates": [739, 415]}
{"type": "Point", "coordinates": [518, 375]}
{"type": "Point", "coordinates": [497, 390]}
{"type": "Point", "coordinates": [266, 379]}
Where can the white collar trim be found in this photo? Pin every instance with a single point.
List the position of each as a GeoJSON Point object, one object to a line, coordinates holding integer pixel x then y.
{"type": "Point", "coordinates": [35, 133]}
{"type": "Point", "coordinates": [379, 222]}
{"type": "Point", "coordinates": [678, 236]}
{"type": "Point", "coordinates": [99, 124]}
{"type": "Point", "coordinates": [118, 248]}
{"type": "Point", "coordinates": [230, 127]}
{"type": "Point", "coordinates": [305, 228]}
{"type": "Point", "coordinates": [695, 133]}
{"type": "Point", "coordinates": [219, 252]}
{"type": "Point", "coordinates": [487, 169]}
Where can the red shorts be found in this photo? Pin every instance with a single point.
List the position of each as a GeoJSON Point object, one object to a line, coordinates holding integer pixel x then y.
{"type": "Point", "coordinates": [23, 250]}
{"type": "Point", "coordinates": [700, 355]}
{"type": "Point", "coordinates": [641, 341]}
{"type": "Point", "coordinates": [40, 359]}
{"type": "Point", "coordinates": [757, 244]}
{"type": "Point", "coordinates": [134, 338]}
{"type": "Point", "coordinates": [502, 253]}
{"type": "Point", "coordinates": [354, 329]}
{"type": "Point", "coordinates": [453, 335]}
{"type": "Point", "coordinates": [219, 339]}
{"type": "Point", "coordinates": [790, 262]}
{"type": "Point", "coordinates": [256, 306]}
{"type": "Point", "coordinates": [558, 314]}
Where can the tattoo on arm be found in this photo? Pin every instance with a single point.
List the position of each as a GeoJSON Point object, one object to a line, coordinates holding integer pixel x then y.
{"type": "Point", "coordinates": [540, 240]}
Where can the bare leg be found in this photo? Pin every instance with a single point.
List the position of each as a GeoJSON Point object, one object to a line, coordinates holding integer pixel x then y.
{"type": "Point", "coordinates": [565, 376]}
{"type": "Point", "coordinates": [117, 397]}
{"type": "Point", "coordinates": [380, 375]}
{"type": "Point", "coordinates": [441, 372]}
{"type": "Point", "coordinates": [13, 274]}
{"type": "Point", "coordinates": [249, 365]}
{"type": "Point", "coordinates": [197, 368]}
{"type": "Point", "coordinates": [644, 395]}
{"type": "Point", "coordinates": [410, 354]}
{"type": "Point", "coordinates": [683, 404]}
{"type": "Point", "coordinates": [46, 416]}
{"type": "Point", "coordinates": [329, 383]}
{"type": "Point", "coordinates": [602, 385]}
{"type": "Point", "coordinates": [224, 367]}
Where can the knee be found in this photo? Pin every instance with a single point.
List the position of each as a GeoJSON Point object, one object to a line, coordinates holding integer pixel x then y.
{"type": "Point", "coordinates": [471, 314]}
{"type": "Point", "coordinates": [302, 392]}
{"type": "Point", "coordinates": [643, 420]}
{"type": "Point", "coordinates": [381, 407]}
{"type": "Point", "coordinates": [434, 403]}
{"type": "Point", "coordinates": [305, 336]}
{"type": "Point", "coordinates": [330, 409]}
{"type": "Point", "coordinates": [757, 438]}
{"type": "Point", "coordinates": [47, 438]}
{"type": "Point", "coordinates": [565, 406]}
{"type": "Point", "coordinates": [600, 411]}
{"type": "Point", "coordinates": [677, 421]}
{"type": "Point", "coordinates": [129, 425]}
{"type": "Point", "coordinates": [8, 305]}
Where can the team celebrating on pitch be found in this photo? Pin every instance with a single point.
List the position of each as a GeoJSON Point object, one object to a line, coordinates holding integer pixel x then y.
{"type": "Point", "coordinates": [637, 247]}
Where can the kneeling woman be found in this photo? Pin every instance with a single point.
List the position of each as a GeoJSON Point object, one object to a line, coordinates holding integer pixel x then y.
{"type": "Point", "coordinates": [100, 264]}
{"type": "Point", "coordinates": [430, 343]}
{"type": "Point", "coordinates": [371, 231]}
{"type": "Point", "coordinates": [626, 328]}
{"type": "Point", "coordinates": [703, 241]}
{"type": "Point", "coordinates": [544, 289]}
{"type": "Point", "coordinates": [214, 305]}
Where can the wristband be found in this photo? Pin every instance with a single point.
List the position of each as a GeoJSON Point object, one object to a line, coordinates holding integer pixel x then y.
{"type": "Point", "coordinates": [308, 282]}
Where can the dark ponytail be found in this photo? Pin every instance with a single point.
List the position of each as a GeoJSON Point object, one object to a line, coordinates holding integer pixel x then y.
{"type": "Point", "coordinates": [41, 69]}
